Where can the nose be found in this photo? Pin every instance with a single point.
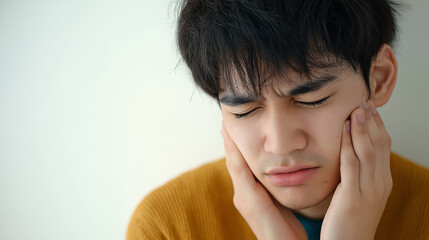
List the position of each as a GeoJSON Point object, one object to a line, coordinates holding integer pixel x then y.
{"type": "Point", "coordinates": [284, 133]}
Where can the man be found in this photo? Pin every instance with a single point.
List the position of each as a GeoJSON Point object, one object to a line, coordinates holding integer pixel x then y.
{"type": "Point", "coordinates": [307, 154]}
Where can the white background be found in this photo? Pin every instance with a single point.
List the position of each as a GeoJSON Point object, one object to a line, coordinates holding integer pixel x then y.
{"type": "Point", "coordinates": [95, 112]}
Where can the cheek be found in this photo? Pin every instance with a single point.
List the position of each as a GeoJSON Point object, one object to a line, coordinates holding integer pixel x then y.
{"type": "Point", "coordinates": [246, 136]}
{"type": "Point", "coordinates": [325, 132]}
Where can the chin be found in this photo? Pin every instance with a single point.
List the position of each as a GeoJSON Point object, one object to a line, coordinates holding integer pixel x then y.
{"type": "Point", "coordinates": [294, 205]}
{"type": "Point", "coordinates": [299, 199]}
{"type": "Point", "coordinates": [299, 204]}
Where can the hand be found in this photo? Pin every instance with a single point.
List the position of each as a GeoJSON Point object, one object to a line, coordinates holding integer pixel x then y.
{"type": "Point", "coordinates": [254, 202]}
{"type": "Point", "coordinates": [366, 182]}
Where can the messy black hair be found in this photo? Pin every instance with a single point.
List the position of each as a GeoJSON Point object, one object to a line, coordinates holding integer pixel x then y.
{"type": "Point", "coordinates": [255, 39]}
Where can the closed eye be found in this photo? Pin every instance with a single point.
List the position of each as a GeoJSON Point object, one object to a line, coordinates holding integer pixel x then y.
{"type": "Point", "coordinates": [303, 104]}
{"type": "Point", "coordinates": [243, 115]}
{"type": "Point", "coordinates": [312, 104]}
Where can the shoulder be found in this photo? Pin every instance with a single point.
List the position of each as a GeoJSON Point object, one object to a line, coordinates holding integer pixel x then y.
{"type": "Point", "coordinates": [407, 173]}
{"type": "Point", "coordinates": [406, 215]}
{"type": "Point", "coordinates": [192, 185]}
{"type": "Point", "coordinates": [410, 186]}
{"type": "Point", "coordinates": [189, 200]}
{"type": "Point", "coordinates": [198, 180]}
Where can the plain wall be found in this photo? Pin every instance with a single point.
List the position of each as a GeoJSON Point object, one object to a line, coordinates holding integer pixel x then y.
{"type": "Point", "coordinates": [95, 112]}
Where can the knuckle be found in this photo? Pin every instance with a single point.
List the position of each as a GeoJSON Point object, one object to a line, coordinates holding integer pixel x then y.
{"type": "Point", "coordinates": [228, 164]}
{"type": "Point", "coordinates": [369, 155]}
{"type": "Point", "coordinates": [389, 141]}
{"type": "Point", "coordinates": [378, 141]}
{"type": "Point", "coordinates": [375, 197]}
{"type": "Point", "coordinates": [351, 162]}
{"type": "Point", "coordinates": [380, 124]}
{"type": "Point", "coordinates": [389, 184]}
{"type": "Point", "coordinates": [236, 201]}
{"type": "Point", "coordinates": [362, 130]}
{"type": "Point", "coordinates": [238, 204]}
{"type": "Point", "coordinates": [379, 194]}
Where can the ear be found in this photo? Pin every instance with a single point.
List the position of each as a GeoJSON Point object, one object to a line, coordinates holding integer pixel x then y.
{"type": "Point", "coordinates": [383, 75]}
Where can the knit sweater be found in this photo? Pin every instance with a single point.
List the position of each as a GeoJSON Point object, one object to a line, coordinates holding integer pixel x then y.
{"type": "Point", "coordinates": [198, 205]}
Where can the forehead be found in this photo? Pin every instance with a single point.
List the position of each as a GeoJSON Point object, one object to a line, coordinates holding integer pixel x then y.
{"type": "Point", "coordinates": [251, 77]}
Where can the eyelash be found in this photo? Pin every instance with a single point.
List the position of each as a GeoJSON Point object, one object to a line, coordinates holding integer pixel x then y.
{"type": "Point", "coordinates": [303, 104]}
{"type": "Point", "coordinates": [243, 115]}
{"type": "Point", "coordinates": [313, 104]}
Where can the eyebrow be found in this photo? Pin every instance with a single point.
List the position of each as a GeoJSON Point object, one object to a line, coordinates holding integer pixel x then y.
{"type": "Point", "coordinates": [237, 100]}
{"type": "Point", "coordinates": [309, 86]}
{"type": "Point", "coordinates": [312, 85]}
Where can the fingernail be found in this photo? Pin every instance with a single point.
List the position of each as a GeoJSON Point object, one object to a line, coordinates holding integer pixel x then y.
{"type": "Point", "coordinates": [364, 104]}
{"type": "Point", "coordinates": [372, 107]}
{"type": "Point", "coordinates": [348, 126]}
{"type": "Point", "coordinates": [360, 116]}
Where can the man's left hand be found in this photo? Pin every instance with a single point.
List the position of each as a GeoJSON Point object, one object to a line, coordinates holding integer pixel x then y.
{"type": "Point", "coordinates": [366, 182]}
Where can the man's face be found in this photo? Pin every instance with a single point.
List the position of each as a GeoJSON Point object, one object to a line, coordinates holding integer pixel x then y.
{"type": "Point", "coordinates": [281, 131]}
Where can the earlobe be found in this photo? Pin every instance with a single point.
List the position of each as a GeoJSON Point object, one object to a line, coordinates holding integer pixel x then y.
{"type": "Point", "coordinates": [383, 75]}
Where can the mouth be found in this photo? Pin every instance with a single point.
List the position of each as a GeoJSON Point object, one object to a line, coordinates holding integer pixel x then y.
{"type": "Point", "coordinates": [291, 176]}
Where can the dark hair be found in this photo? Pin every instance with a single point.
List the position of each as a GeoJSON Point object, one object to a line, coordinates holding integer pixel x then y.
{"type": "Point", "coordinates": [254, 39]}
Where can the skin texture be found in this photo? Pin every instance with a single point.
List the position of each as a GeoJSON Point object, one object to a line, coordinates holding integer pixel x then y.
{"type": "Point", "coordinates": [283, 132]}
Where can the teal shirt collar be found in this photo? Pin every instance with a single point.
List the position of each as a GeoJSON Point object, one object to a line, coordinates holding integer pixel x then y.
{"type": "Point", "coordinates": [311, 226]}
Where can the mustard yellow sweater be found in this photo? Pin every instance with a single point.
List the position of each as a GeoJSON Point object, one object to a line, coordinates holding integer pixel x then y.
{"type": "Point", "coordinates": [198, 205]}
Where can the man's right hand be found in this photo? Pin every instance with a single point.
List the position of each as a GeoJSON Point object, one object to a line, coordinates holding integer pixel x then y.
{"type": "Point", "coordinates": [254, 202]}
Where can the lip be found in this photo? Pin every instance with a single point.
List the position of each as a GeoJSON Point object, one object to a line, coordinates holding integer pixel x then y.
{"type": "Point", "coordinates": [291, 176]}
{"type": "Point", "coordinates": [289, 169]}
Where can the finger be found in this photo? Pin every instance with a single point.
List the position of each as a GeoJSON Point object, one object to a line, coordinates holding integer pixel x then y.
{"type": "Point", "coordinates": [363, 148]}
{"type": "Point", "coordinates": [349, 164]}
{"type": "Point", "coordinates": [377, 118]}
{"type": "Point", "coordinates": [376, 139]}
{"type": "Point", "coordinates": [386, 140]}
{"type": "Point", "coordinates": [235, 163]}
